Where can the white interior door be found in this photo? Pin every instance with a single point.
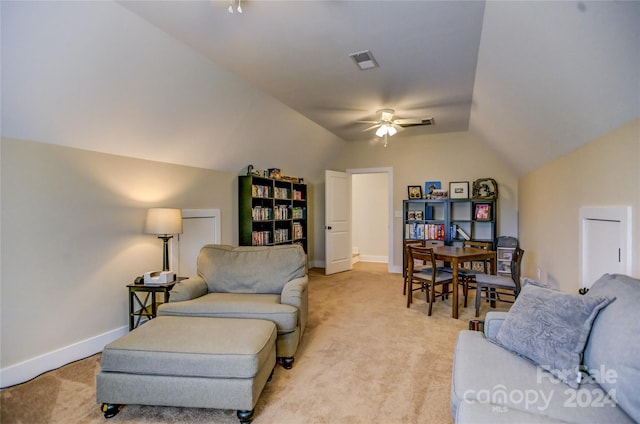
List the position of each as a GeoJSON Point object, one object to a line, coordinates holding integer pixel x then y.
{"type": "Point", "coordinates": [199, 227]}
{"type": "Point", "coordinates": [338, 222]}
{"type": "Point", "coordinates": [605, 243]}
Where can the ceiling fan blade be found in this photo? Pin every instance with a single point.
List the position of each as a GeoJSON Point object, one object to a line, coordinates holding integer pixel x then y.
{"type": "Point", "coordinates": [371, 127]}
{"type": "Point", "coordinates": [413, 122]}
{"type": "Point", "coordinates": [369, 122]}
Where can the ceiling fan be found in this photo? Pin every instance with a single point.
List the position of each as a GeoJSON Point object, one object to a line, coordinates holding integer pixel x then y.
{"type": "Point", "coordinates": [388, 127]}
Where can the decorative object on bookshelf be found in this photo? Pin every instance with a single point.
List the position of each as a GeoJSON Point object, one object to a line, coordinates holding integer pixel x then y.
{"type": "Point", "coordinates": [485, 188]}
{"type": "Point", "coordinates": [439, 194]}
{"type": "Point", "coordinates": [459, 190]}
{"type": "Point", "coordinates": [274, 173]}
{"type": "Point", "coordinates": [255, 172]}
{"type": "Point", "coordinates": [482, 212]}
{"type": "Point", "coordinates": [429, 188]}
{"type": "Point", "coordinates": [415, 192]}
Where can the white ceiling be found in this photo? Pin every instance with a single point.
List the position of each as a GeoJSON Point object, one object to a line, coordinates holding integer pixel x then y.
{"type": "Point", "coordinates": [533, 80]}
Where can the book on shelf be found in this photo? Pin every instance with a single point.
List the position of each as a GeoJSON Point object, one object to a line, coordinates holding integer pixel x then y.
{"type": "Point", "coordinates": [414, 231]}
{"type": "Point", "coordinates": [428, 212]}
{"type": "Point", "coordinates": [463, 234]}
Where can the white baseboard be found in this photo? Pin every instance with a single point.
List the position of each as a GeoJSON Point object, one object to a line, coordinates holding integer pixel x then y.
{"type": "Point", "coordinates": [373, 258]}
{"type": "Point", "coordinates": [318, 264]}
{"type": "Point", "coordinates": [25, 371]}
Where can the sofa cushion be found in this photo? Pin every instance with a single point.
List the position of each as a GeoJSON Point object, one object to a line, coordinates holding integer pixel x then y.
{"type": "Point", "coordinates": [486, 413]}
{"type": "Point", "coordinates": [236, 305]}
{"type": "Point", "coordinates": [487, 373]}
{"type": "Point", "coordinates": [551, 329]}
{"type": "Point", "coordinates": [613, 347]}
{"type": "Point", "coordinates": [250, 269]}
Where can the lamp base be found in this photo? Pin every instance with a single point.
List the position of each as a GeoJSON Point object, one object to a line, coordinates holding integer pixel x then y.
{"type": "Point", "coordinates": [165, 256]}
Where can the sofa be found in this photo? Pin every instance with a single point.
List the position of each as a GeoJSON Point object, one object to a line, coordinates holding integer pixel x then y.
{"type": "Point", "coordinates": [257, 282]}
{"type": "Point", "coordinates": [554, 357]}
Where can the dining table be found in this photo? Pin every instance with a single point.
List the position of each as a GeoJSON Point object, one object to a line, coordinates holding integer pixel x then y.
{"type": "Point", "coordinates": [456, 255]}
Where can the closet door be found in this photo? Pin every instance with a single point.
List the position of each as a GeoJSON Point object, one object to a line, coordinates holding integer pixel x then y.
{"type": "Point", "coordinates": [199, 227]}
{"type": "Point", "coordinates": [605, 243]}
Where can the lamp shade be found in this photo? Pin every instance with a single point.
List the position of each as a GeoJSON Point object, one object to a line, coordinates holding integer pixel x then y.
{"type": "Point", "coordinates": [163, 221]}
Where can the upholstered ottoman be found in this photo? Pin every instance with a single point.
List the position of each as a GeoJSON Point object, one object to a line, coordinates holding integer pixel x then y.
{"type": "Point", "coordinates": [221, 363]}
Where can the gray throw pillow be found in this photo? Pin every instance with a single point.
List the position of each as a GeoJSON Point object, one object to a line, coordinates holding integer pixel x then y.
{"type": "Point", "coordinates": [551, 329]}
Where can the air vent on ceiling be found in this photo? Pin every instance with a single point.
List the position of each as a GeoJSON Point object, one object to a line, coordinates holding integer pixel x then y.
{"type": "Point", "coordinates": [364, 60]}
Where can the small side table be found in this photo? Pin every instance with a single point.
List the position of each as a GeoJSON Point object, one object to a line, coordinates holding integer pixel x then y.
{"type": "Point", "coordinates": [148, 306]}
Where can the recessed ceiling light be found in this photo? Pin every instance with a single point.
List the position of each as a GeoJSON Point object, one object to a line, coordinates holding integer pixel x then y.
{"type": "Point", "coordinates": [364, 60]}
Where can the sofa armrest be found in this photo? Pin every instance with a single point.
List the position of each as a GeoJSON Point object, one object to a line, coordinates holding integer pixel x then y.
{"type": "Point", "coordinates": [492, 323]}
{"type": "Point", "coordinates": [188, 289]}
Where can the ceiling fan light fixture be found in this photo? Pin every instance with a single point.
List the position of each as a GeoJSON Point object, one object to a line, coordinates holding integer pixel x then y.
{"type": "Point", "coordinates": [382, 130]}
{"type": "Point", "coordinates": [391, 130]}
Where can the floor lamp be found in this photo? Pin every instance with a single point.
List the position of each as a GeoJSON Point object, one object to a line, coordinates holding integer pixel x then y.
{"type": "Point", "coordinates": [164, 222]}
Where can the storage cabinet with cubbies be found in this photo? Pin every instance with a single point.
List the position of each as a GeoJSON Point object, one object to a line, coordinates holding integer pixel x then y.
{"type": "Point", "coordinates": [271, 212]}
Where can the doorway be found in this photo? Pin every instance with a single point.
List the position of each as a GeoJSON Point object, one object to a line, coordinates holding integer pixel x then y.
{"type": "Point", "coordinates": [372, 215]}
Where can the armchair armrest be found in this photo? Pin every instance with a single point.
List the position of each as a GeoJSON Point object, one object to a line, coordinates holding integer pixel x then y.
{"type": "Point", "coordinates": [293, 293]}
{"type": "Point", "coordinates": [492, 323]}
{"type": "Point", "coordinates": [188, 289]}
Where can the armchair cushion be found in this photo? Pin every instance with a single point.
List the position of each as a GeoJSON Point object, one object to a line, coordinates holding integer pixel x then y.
{"type": "Point", "coordinates": [250, 269]}
{"type": "Point", "coordinates": [236, 305]}
{"type": "Point", "coordinates": [551, 329]}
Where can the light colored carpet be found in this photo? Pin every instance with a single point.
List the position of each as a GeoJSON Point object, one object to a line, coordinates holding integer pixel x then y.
{"type": "Point", "coordinates": [364, 358]}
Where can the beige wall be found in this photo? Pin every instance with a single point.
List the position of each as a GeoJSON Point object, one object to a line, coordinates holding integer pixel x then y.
{"type": "Point", "coordinates": [605, 172]}
{"type": "Point", "coordinates": [443, 157]}
{"type": "Point", "coordinates": [72, 223]}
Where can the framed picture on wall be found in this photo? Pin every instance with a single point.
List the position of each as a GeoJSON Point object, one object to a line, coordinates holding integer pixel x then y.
{"type": "Point", "coordinates": [415, 192]}
{"type": "Point", "coordinates": [459, 190]}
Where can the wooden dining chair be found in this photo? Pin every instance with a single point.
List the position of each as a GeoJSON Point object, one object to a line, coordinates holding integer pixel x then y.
{"type": "Point", "coordinates": [499, 287]}
{"type": "Point", "coordinates": [405, 260]}
{"type": "Point", "coordinates": [468, 270]}
{"type": "Point", "coordinates": [427, 276]}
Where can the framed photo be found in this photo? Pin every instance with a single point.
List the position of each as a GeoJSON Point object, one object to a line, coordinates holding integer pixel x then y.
{"type": "Point", "coordinates": [459, 190]}
{"type": "Point", "coordinates": [482, 212]}
{"type": "Point", "coordinates": [430, 187]}
{"type": "Point", "coordinates": [415, 192]}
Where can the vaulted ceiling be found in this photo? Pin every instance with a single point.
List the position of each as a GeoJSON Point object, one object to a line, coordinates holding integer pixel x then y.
{"type": "Point", "coordinates": [531, 80]}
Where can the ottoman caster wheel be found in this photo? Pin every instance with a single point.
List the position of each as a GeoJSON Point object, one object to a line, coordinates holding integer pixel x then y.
{"type": "Point", "coordinates": [245, 417]}
{"type": "Point", "coordinates": [110, 410]}
{"type": "Point", "coordinates": [287, 363]}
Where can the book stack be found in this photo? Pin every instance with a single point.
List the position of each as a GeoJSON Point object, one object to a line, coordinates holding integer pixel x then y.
{"type": "Point", "coordinates": [259, 213]}
{"type": "Point", "coordinates": [281, 235]}
{"type": "Point", "coordinates": [260, 238]}
{"type": "Point", "coordinates": [281, 193]}
{"type": "Point", "coordinates": [297, 195]}
{"type": "Point", "coordinates": [297, 213]}
{"type": "Point", "coordinates": [260, 191]}
{"type": "Point", "coordinates": [415, 231]}
{"type": "Point", "coordinates": [434, 231]}
{"type": "Point", "coordinates": [281, 212]}
{"type": "Point", "coordinates": [297, 231]}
